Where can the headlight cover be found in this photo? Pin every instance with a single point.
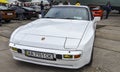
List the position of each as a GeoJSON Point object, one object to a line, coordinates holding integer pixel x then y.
{"type": "Point", "coordinates": [72, 43]}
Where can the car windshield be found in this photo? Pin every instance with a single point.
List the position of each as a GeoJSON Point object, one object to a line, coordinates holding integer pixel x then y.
{"type": "Point", "coordinates": [3, 8]}
{"type": "Point", "coordinates": [76, 13]}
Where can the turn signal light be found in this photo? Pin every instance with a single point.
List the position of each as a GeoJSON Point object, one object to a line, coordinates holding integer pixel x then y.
{"type": "Point", "coordinates": [17, 50]}
{"type": "Point", "coordinates": [72, 56]}
{"type": "Point", "coordinates": [14, 49]}
{"type": "Point", "coordinates": [77, 56]}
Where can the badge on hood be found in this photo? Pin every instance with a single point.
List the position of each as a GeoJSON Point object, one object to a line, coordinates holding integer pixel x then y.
{"type": "Point", "coordinates": [43, 38]}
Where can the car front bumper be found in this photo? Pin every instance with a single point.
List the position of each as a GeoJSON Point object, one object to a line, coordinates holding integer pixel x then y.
{"type": "Point", "coordinates": [64, 63]}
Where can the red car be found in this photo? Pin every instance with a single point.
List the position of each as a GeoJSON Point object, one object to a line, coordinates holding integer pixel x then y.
{"type": "Point", "coordinates": [6, 14]}
{"type": "Point", "coordinates": [97, 11]}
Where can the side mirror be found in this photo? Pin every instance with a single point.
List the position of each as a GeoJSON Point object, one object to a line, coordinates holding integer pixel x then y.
{"type": "Point", "coordinates": [97, 19]}
{"type": "Point", "coordinates": [40, 16]}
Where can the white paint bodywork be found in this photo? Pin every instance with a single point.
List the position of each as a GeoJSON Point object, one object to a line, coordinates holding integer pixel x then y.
{"type": "Point", "coordinates": [62, 36]}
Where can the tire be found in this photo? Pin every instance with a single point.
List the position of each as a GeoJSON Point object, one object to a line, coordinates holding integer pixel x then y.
{"type": "Point", "coordinates": [21, 17]}
{"type": "Point", "coordinates": [7, 21]}
{"type": "Point", "coordinates": [28, 18]}
{"type": "Point", "coordinates": [119, 12]}
{"type": "Point", "coordinates": [101, 17]}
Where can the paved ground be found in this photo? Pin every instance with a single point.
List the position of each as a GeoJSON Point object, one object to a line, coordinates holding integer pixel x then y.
{"type": "Point", "coordinates": [106, 54]}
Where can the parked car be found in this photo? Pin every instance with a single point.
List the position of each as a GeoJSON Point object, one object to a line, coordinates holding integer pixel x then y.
{"type": "Point", "coordinates": [37, 8]}
{"type": "Point", "coordinates": [30, 12]}
{"type": "Point", "coordinates": [63, 38]}
{"type": "Point", "coordinates": [97, 11]}
{"type": "Point", "coordinates": [7, 14]}
{"type": "Point", "coordinates": [27, 12]}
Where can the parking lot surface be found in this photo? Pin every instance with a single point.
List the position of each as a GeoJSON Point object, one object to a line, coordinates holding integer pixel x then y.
{"type": "Point", "coordinates": [106, 49]}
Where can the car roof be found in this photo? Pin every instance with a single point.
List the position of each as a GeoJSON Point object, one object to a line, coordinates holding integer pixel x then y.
{"type": "Point", "coordinates": [81, 6]}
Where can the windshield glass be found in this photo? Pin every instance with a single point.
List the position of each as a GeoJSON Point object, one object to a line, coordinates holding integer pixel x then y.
{"type": "Point", "coordinates": [68, 13]}
{"type": "Point", "coordinates": [3, 8]}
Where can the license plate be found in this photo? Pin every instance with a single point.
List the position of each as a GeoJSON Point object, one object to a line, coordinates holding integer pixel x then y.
{"type": "Point", "coordinates": [9, 13]}
{"type": "Point", "coordinates": [40, 55]}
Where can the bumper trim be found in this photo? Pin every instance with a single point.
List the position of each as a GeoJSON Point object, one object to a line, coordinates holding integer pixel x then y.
{"type": "Point", "coordinates": [43, 63]}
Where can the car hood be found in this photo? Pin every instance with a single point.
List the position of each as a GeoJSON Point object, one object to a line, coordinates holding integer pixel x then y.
{"type": "Point", "coordinates": [56, 27]}
{"type": "Point", "coordinates": [52, 33]}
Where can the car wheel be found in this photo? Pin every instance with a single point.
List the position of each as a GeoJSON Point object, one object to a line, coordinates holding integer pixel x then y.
{"type": "Point", "coordinates": [101, 17]}
{"type": "Point", "coordinates": [119, 12]}
{"type": "Point", "coordinates": [28, 18]}
{"type": "Point", "coordinates": [7, 21]}
{"type": "Point", "coordinates": [21, 17]}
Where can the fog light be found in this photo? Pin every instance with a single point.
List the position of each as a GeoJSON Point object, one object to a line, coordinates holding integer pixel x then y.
{"type": "Point", "coordinates": [17, 50]}
{"type": "Point", "coordinates": [77, 56]}
{"type": "Point", "coordinates": [67, 56]}
{"type": "Point", "coordinates": [14, 49]}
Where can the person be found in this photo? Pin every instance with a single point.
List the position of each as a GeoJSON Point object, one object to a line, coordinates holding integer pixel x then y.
{"type": "Point", "coordinates": [60, 3]}
{"type": "Point", "coordinates": [108, 9]}
{"type": "Point", "coordinates": [42, 9]}
{"type": "Point", "coordinates": [51, 3]}
{"type": "Point", "coordinates": [77, 3]}
{"type": "Point", "coordinates": [0, 19]}
{"type": "Point", "coordinates": [55, 2]}
{"type": "Point", "coordinates": [68, 2]}
{"type": "Point", "coordinates": [65, 3]}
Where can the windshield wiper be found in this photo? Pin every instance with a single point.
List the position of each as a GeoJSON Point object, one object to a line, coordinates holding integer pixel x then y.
{"type": "Point", "coordinates": [49, 17]}
{"type": "Point", "coordinates": [73, 18]}
{"type": "Point", "coordinates": [69, 18]}
{"type": "Point", "coordinates": [60, 18]}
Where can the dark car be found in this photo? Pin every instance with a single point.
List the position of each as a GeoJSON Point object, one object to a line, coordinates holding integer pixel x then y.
{"type": "Point", "coordinates": [6, 14]}
{"type": "Point", "coordinates": [37, 8]}
{"type": "Point", "coordinates": [30, 12]}
{"type": "Point", "coordinates": [24, 12]}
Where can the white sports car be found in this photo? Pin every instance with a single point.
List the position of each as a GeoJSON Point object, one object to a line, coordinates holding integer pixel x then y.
{"type": "Point", "coordinates": [63, 38]}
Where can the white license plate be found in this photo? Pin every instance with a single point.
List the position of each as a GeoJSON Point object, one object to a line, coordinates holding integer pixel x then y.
{"type": "Point", "coordinates": [9, 13]}
{"type": "Point", "coordinates": [41, 55]}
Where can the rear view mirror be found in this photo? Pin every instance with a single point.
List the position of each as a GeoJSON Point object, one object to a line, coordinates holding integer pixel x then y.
{"type": "Point", "coordinates": [97, 19]}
